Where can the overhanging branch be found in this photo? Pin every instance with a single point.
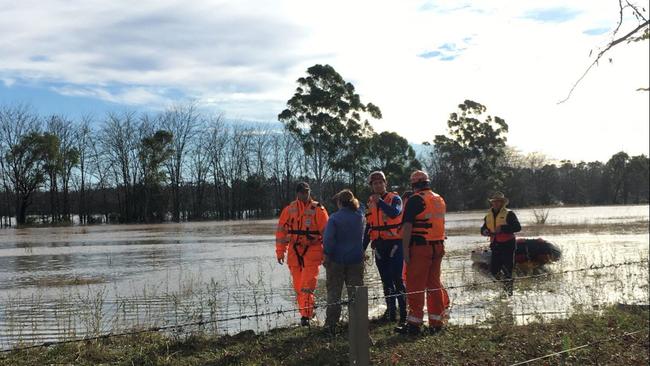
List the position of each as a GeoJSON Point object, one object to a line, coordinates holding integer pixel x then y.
{"type": "Point", "coordinates": [601, 53]}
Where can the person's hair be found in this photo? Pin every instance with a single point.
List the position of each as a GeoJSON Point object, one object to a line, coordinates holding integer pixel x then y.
{"type": "Point", "coordinates": [347, 199]}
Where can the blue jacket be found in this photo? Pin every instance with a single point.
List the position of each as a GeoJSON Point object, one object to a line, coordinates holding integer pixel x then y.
{"type": "Point", "coordinates": [343, 238]}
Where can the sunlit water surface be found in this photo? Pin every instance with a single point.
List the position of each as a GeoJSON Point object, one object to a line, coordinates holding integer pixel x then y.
{"type": "Point", "coordinates": [68, 282]}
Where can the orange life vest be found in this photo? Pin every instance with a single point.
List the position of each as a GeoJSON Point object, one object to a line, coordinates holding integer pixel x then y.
{"type": "Point", "coordinates": [430, 223]}
{"type": "Point", "coordinates": [382, 226]}
{"type": "Point", "coordinates": [302, 227]}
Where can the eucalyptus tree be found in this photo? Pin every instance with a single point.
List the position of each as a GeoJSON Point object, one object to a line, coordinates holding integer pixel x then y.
{"type": "Point", "coordinates": [327, 117]}
{"type": "Point", "coordinates": [473, 153]}
{"type": "Point", "coordinates": [393, 154]}
{"type": "Point", "coordinates": [616, 175]}
{"type": "Point", "coordinates": [638, 177]}
{"type": "Point", "coordinates": [154, 150]}
{"type": "Point", "coordinates": [16, 122]}
{"type": "Point", "coordinates": [29, 158]}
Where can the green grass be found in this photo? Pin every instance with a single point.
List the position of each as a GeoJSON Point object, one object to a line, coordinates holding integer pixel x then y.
{"type": "Point", "coordinates": [497, 342]}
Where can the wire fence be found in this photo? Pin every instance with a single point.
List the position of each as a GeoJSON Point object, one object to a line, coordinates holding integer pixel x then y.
{"type": "Point", "coordinates": [281, 311]}
{"type": "Point", "coordinates": [589, 344]}
{"type": "Point", "coordinates": [494, 281]}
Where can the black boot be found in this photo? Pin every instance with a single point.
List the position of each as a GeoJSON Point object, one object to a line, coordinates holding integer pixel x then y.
{"type": "Point", "coordinates": [433, 330]}
{"type": "Point", "coordinates": [383, 317]}
{"type": "Point", "coordinates": [387, 316]}
{"type": "Point", "coordinates": [408, 329]}
{"type": "Point", "coordinates": [304, 321]}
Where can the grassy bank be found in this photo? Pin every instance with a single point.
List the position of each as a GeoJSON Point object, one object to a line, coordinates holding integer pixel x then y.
{"type": "Point", "coordinates": [497, 342]}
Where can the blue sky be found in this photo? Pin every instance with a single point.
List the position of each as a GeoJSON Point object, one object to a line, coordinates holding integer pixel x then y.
{"type": "Point", "coordinates": [415, 59]}
{"type": "Point", "coordinates": [553, 14]}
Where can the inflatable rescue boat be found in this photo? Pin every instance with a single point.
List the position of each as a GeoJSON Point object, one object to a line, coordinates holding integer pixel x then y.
{"type": "Point", "coordinates": [529, 253]}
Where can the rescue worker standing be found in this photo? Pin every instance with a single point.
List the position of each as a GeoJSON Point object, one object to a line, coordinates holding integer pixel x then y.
{"type": "Point", "coordinates": [383, 220]}
{"type": "Point", "coordinates": [300, 231]}
{"type": "Point", "coordinates": [423, 236]}
{"type": "Point", "coordinates": [501, 224]}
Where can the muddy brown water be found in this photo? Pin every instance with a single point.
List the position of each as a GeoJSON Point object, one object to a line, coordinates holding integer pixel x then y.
{"type": "Point", "coordinates": [68, 282]}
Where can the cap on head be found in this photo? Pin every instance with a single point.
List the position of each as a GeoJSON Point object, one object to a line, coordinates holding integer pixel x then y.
{"type": "Point", "coordinates": [302, 187]}
{"type": "Point", "coordinates": [419, 176]}
{"type": "Point", "coordinates": [376, 175]}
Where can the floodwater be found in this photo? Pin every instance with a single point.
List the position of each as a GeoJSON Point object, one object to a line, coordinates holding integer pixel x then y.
{"type": "Point", "coordinates": [69, 282]}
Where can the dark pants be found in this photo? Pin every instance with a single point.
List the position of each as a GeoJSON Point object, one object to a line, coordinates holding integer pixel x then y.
{"type": "Point", "coordinates": [390, 271]}
{"type": "Point", "coordinates": [337, 274]}
{"type": "Point", "coordinates": [503, 260]}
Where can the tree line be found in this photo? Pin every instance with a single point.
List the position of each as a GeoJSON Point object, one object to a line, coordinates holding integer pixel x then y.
{"type": "Point", "coordinates": [183, 164]}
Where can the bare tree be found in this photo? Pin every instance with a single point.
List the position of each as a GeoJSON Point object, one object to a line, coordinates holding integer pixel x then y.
{"type": "Point", "coordinates": [200, 164]}
{"type": "Point", "coordinates": [61, 164]}
{"type": "Point", "coordinates": [237, 162]}
{"type": "Point", "coordinates": [286, 154]}
{"type": "Point", "coordinates": [118, 139]}
{"type": "Point", "coordinates": [82, 142]}
{"type": "Point", "coordinates": [182, 121]}
{"type": "Point", "coordinates": [100, 167]}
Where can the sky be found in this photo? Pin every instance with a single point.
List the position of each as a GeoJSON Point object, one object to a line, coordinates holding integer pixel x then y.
{"type": "Point", "coordinates": [416, 60]}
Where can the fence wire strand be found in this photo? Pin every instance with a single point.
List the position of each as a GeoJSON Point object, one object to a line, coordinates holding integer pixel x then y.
{"type": "Point", "coordinates": [281, 311]}
{"type": "Point", "coordinates": [593, 343]}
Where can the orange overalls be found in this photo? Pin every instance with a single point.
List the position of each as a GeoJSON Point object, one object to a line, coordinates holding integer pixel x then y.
{"type": "Point", "coordinates": [300, 230]}
{"type": "Point", "coordinates": [423, 270]}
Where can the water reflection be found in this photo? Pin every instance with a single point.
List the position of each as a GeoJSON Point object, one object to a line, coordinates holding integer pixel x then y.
{"type": "Point", "coordinates": [69, 281]}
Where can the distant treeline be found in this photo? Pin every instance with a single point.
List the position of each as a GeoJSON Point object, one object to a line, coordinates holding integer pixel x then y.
{"type": "Point", "coordinates": [182, 165]}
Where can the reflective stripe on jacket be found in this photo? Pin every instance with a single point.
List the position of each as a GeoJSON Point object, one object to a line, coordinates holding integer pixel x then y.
{"type": "Point", "coordinates": [300, 225]}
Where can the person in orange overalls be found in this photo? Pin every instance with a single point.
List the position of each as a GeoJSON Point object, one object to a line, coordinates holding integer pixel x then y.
{"type": "Point", "coordinates": [423, 238]}
{"type": "Point", "coordinates": [300, 231]}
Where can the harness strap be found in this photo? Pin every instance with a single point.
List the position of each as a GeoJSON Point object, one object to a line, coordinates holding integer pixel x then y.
{"type": "Point", "coordinates": [304, 232]}
{"type": "Point", "coordinates": [422, 225]}
{"type": "Point", "coordinates": [385, 227]}
{"type": "Point", "coordinates": [301, 259]}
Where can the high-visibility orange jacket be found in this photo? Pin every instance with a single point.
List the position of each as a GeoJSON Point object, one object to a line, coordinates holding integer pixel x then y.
{"type": "Point", "coordinates": [380, 224]}
{"type": "Point", "coordinates": [300, 230]}
{"type": "Point", "coordinates": [430, 223]}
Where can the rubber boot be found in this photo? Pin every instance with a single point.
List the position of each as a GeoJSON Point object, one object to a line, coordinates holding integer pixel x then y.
{"type": "Point", "coordinates": [408, 329]}
{"type": "Point", "coordinates": [304, 321]}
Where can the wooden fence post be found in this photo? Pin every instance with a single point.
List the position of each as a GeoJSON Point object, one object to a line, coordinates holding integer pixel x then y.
{"type": "Point", "coordinates": [358, 327]}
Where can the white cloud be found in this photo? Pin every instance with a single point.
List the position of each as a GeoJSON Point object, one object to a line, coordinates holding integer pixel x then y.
{"type": "Point", "coordinates": [8, 82]}
{"type": "Point", "coordinates": [244, 57]}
